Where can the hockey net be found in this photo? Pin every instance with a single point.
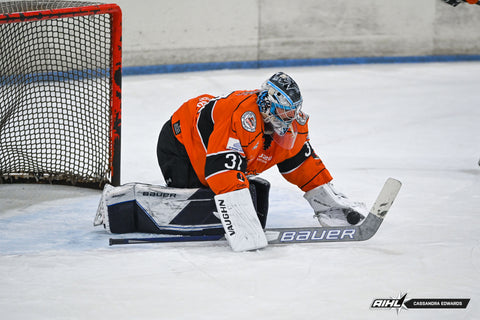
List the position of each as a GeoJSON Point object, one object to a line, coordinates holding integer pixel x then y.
{"type": "Point", "coordinates": [60, 96]}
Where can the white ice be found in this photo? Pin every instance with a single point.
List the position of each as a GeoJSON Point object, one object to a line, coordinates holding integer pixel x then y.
{"type": "Point", "coordinates": [419, 123]}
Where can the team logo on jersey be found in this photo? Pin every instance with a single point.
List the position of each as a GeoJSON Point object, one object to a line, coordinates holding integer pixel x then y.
{"type": "Point", "coordinates": [249, 121]}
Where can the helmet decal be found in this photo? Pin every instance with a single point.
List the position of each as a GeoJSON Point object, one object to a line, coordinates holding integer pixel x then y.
{"type": "Point", "coordinates": [280, 101]}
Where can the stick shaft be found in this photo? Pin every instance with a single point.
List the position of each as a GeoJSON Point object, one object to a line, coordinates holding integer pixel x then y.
{"type": "Point", "coordinates": [115, 241]}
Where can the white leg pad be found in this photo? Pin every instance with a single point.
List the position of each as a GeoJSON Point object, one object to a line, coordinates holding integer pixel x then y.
{"type": "Point", "coordinates": [102, 216]}
{"type": "Point", "coordinates": [239, 219]}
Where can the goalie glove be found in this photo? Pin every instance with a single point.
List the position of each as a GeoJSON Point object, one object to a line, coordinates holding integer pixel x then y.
{"type": "Point", "coordinates": [333, 208]}
{"type": "Point", "coordinates": [239, 219]}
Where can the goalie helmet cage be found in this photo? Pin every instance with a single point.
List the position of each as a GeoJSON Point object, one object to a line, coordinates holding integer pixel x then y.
{"type": "Point", "coordinates": [60, 92]}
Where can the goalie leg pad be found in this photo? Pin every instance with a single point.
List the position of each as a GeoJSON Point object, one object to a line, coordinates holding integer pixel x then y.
{"type": "Point", "coordinates": [260, 190]}
{"type": "Point", "coordinates": [147, 208]}
{"type": "Point", "coordinates": [243, 230]}
{"type": "Point", "coordinates": [156, 209]}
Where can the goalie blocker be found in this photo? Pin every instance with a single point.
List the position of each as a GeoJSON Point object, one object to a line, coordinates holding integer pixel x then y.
{"type": "Point", "coordinates": [145, 208]}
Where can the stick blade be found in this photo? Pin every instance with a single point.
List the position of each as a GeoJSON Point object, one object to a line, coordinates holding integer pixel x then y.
{"type": "Point", "coordinates": [385, 199]}
{"type": "Point", "coordinates": [362, 232]}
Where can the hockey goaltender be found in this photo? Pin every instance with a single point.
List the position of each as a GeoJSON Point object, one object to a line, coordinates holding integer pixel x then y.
{"type": "Point", "coordinates": [210, 153]}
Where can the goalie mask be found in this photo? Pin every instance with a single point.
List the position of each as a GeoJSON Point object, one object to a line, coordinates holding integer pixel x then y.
{"type": "Point", "coordinates": [280, 103]}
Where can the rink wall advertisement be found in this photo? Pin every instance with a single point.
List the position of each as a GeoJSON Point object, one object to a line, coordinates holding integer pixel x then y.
{"type": "Point", "coordinates": [184, 31]}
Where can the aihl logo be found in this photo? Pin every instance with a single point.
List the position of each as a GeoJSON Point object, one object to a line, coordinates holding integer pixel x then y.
{"type": "Point", "coordinates": [422, 303]}
{"type": "Point", "coordinates": [388, 303]}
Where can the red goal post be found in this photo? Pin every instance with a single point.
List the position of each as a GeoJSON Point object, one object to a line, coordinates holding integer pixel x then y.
{"type": "Point", "coordinates": [60, 92]}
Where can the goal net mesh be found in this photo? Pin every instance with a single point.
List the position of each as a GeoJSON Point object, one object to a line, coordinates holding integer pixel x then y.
{"type": "Point", "coordinates": [55, 91]}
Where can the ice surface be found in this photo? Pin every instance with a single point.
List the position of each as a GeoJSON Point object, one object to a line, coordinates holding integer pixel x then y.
{"type": "Point", "coordinates": [418, 123]}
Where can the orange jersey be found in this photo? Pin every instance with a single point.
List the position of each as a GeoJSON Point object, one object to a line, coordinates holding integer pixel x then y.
{"type": "Point", "coordinates": [225, 141]}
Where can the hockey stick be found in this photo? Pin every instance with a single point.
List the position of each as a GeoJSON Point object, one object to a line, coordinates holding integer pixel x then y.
{"type": "Point", "coordinates": [362, 232]}
{"type": "Point", "coordinates": [164, 239]}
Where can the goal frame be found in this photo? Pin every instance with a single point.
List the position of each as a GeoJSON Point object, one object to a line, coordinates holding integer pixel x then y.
{"type": "Point", "coordinates": [115, 72]}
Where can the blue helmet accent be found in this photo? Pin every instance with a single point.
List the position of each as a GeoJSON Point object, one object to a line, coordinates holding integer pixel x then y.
{"type": "Point", "coordinates": [282, 97]}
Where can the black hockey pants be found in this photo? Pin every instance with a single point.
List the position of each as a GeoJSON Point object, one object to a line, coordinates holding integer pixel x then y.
{"type": "Point", "coordinates": [173, 159]}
